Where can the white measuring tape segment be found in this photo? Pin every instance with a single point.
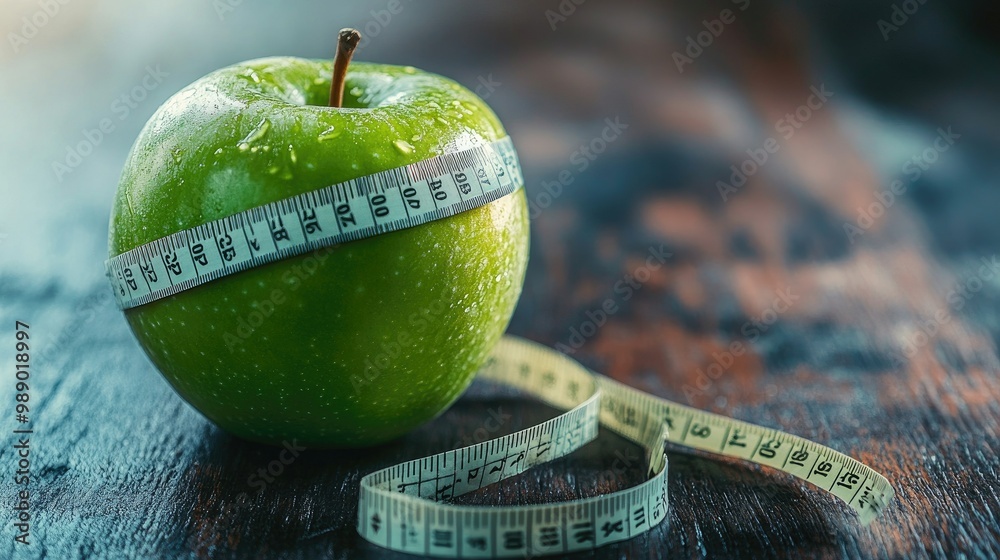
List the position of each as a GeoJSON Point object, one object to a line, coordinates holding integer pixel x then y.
{"type": "Point", "coordinates": [402, 506]}
{"type": "Point", "coordinates": [364, 207]}
{"type": "Point", "coordinates": [406, 507]}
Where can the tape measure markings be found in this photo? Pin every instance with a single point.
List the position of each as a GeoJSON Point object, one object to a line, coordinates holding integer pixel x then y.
{"type": "Point", "coordinates": [400, 509]}
{"type": "Point", "coordinates": [863, 489]}
{"type": "Point", "coordinates": [367, 206]}
{"type": "Point", "coordinates": [404, 507]}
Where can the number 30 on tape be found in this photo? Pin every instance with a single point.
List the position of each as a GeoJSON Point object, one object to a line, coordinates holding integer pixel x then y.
{"type": "Point", "coordinates": [408, 507]}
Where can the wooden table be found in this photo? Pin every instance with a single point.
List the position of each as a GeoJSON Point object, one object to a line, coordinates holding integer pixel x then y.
{"type": "Point", "coordinates": [880, 341]}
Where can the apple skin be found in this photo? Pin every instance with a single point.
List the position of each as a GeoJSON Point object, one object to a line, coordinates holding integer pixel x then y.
{"type": "Point", "coordinates": [349, 346]}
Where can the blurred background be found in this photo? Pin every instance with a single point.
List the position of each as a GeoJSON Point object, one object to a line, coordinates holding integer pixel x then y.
{"type": "Point", "coordinates": [756, 140]}
{"type": "Point", "coordinates": [553, 73]}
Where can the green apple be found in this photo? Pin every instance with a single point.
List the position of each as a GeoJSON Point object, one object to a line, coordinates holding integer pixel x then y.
{"type": "Point", "coordinates": [351, 345]}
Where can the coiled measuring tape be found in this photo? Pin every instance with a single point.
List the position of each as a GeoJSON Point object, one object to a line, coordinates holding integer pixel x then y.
{"type": "Point", "coordinates": [407, 507]}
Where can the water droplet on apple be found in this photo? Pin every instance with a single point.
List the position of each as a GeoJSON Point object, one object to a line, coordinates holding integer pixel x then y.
{"type": "Point", "coordinates": [273, 169]}
{"type": "Point", "coordinates": [258, 131]}
{"type": "Point", "coordinates": [250, 73]}
{"type": "Point", "coordinates": [416, 137]}
{"type": "Point", "coordinates": [328, 134]}
{"type": "Point", "coordinates": [177, 153]}
{"type": "Point", "coordinates": [243, 146]}
{"type": "Point", "coordinates": [356, 91]}
{"type": "Point", "coordinates": [218, 152]}
{"type": "Point", "coordinates": [291, 155]}
{"type": "Point", "coordinates": [403, 146]}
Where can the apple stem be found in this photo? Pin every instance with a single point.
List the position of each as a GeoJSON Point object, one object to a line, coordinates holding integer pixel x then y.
{"type": "Point", "coordinates": [345, 50]}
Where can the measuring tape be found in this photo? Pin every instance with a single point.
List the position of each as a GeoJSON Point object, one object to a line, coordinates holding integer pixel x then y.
{"type": "Point", "coordinates": [407, 507]}
{"type": "Point", "coordinates": [392, 200]}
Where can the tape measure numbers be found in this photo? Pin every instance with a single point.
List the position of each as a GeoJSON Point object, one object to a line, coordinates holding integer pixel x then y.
{"type": "Point", "coordinates": [400, 507]}
{"type": "Point", "coordinates": [406, 507]}
{"type": "Point", "coordinates": [364, 207]}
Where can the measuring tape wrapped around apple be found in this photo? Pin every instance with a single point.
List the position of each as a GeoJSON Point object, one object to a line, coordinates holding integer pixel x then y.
{"type": "Point", "coordinates": [358, 376]}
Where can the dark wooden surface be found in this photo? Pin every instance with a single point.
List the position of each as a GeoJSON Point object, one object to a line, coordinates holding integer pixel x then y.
{"type": "Point", "coordinates": [122, 468]}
